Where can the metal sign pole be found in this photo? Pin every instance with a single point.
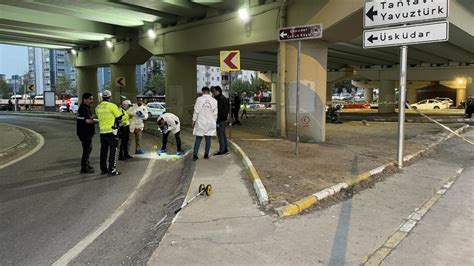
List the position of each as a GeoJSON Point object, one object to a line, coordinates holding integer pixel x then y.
{"type": "Point", "coordinates": [401, 104]}
{"type": "Point", "coordinates": [230, 104]}
{"type": "Point", "coordinates": [298, 69]}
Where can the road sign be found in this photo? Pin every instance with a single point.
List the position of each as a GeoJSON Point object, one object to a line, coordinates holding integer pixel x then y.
{"type": "Point", "coordinates": [230, 60]}
{"type": "Point", "coordinates": [120, 82]}
{"type": "Point", "coordinates": [300, 33]}
{"type": "Point", "coordinates": [393, 12]}
{"type": "Point", "coordinates": [415, 34]}
{"type": "Point", "coordinates": [30, 87]}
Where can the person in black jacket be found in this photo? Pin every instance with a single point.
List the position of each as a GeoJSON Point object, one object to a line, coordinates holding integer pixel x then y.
{"type": "Point", "coordinates": [222, 113]}
{"type": "Point", "coordinates": [86, 131]}
{"type": "Point", "coordinates": [235, 109]}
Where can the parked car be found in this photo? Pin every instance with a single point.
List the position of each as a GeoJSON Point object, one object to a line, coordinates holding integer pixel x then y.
{"type": "Point", "coordinates": [73, 105]}
{"type": "Point", "coordinates": [156, 109]}
{"type": "Point", "coordinates": [448, 101]}
{"type": "Point", "coordinates": [20, 97]}
{"type": "Point", "coordinates": [429, 104]}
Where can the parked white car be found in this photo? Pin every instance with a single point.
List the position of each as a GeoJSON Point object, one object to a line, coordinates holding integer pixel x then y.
{"type": "Point", "coordinates": [430, 104]}
{"type": "Point", "coordinates": [448, 101]}
{"type": "Point", "coordinates": [156, 109]}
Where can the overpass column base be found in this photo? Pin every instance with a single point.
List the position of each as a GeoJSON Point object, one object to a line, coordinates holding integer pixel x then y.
{"type": "Point", "coordinates": [181, 80]}
{"type": "Point", "coordinates": [312, 115]}
{"type": "Point", "coordinates": [87, 82]}
{"type": "Point", "coordinates": [387, 99]}
{"type": "Point", "coordinates": [130, 89]}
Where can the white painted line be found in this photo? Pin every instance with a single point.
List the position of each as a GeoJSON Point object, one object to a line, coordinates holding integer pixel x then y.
{"type": "Point", "coordinates": [84, 243]}
{"type": "Point", "coordinates": [33, 151]}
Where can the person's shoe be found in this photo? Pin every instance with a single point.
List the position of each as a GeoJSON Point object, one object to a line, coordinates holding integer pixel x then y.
{"type": "Point", "coordinates": [121, 159]}
{"type": "Point", "coordinates": [162, 151]}
{"type": "Point", "coordinates": [195, 158]}
{"type": "Point", "coordinates": [220, 153]}
{"type": "Point", "coordinates": [87, 171]}
{"type": "Point", "coordinates": [128, 157]}
{"type": "Point", "coordinates": [114, 172]}
{"type": "Point", "coordinates": [206, 156]}
{"type": "Point", "coordinates": [102, 172]}
{"type": "Point", "coordinates": [90, 167]}
{"type": "Point", "coordinates": [180, 153]}
{"type": "Point", "coordinates": [140, 152]}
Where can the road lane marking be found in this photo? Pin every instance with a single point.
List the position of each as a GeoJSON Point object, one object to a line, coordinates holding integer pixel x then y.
{"type": "Point", "coordinates": [75, 251]}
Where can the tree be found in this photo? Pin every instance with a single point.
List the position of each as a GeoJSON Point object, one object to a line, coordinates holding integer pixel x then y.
{"type": "Point", "coordinates": [259, 84]}
{"type": "Point", "coordinates": [240, 86]}
{"type": "Point", "coordinates": [4, 89]}
{"type": "Point", "coordinates": [106, 86]}
{"type": "Point", "coordinates": [156, 80]}
{"type": "Point", "coordinates": [62, 85]}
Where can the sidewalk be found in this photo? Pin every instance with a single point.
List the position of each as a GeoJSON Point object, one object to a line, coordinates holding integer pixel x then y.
{"type": "Point", "coordinates": [228, 228]}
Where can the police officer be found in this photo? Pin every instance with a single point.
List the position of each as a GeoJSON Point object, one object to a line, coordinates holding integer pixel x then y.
{"type": "Point", "coordinates": [86, 131]}
{"type": "Point", "coordinates": [109, 119]}
{"type": "Point", "coordinates": [124, 131]}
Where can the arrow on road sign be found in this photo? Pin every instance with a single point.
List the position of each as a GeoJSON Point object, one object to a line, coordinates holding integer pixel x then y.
{"type": "Point", "coordinates": [283, 35]}
{"type": "Point", "coordinates": [120, 81]}
{"type": "Point", "coordinates": [31, 88]}
{"type": "Point", "coordinates": [371, 39]}
{"type": "Point", "coordinates": [230, 60]}
{"type": "Point", "coordinates": [371, 13]}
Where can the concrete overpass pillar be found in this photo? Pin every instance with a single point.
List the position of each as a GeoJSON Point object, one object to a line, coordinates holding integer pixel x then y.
{"type": "Point", "coordinates": [369, 94]}
{"type": "Point", "coordinates": [470, 88]}
{"type": "Point", "coordinates": [130, 89]}
{"type": "Point", "coordinates": [460, 96]}
{"type": "Point", "coordinates": [274, 93]}
{"type": "Point", "coordinates": [329, 86]}
{"type": "Point", "coordinates": [387, 99]}
{"type": "Point", "coordinates": [312, 90]}
{"type": "Point", "coordinates": [281, 92]}
{"type": "Point", "coordinates": [411, 93]}
{"type": "Point", "coordinates": [180, 83]}
{"type": "Point", "coordinates": [87, 82]}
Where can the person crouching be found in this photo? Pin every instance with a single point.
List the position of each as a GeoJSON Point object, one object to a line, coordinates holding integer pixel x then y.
{"type": "Point", "coordinates": [167, 123]}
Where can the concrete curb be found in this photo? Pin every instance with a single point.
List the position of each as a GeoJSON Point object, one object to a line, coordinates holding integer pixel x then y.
{"type": "Point", "coordinates": [409, 120]}
{"type": "Point", "coordinates": [300, 205]}
{"type": "Point", "coordinates": [23, 144]}
{"type": "Point", "coordinates": [262, 194]}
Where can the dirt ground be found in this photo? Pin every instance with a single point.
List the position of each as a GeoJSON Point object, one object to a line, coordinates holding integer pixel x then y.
{"type": "Point", "coordinates": [350, 148]}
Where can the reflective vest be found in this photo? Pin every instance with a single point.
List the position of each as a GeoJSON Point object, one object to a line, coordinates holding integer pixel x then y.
{"type": "Point", "coordinates": [125, 118]}
{"type": "Point", "coordinates": [107, 112]}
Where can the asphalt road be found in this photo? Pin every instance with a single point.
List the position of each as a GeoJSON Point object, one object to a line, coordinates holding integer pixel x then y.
{"type": "Point", "coordinates": [48, 211]}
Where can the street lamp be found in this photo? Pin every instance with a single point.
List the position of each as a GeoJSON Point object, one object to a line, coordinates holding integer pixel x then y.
{"type": "Point", "coordinates": [244, 14]}
{"type": "Point", "coordinates": [151, 33]}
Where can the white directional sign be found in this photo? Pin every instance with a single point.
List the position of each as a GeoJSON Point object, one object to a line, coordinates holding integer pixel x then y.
{"type": "Point", "coordinates": [393, 12]}
{"type": "Point", "coordinates": [415, 34]}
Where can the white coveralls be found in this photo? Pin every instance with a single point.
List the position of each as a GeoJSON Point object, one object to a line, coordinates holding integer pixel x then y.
{"type": "Point", "coordinates": [205, 116]}
{"type": "Point", "coordinates": [136, 124]}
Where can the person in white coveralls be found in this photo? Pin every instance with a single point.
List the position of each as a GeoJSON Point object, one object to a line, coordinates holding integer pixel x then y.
{"type": "Point", "coordinates": [137, 113]}
{"type": "Point", "coordinates": [204, 121]}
